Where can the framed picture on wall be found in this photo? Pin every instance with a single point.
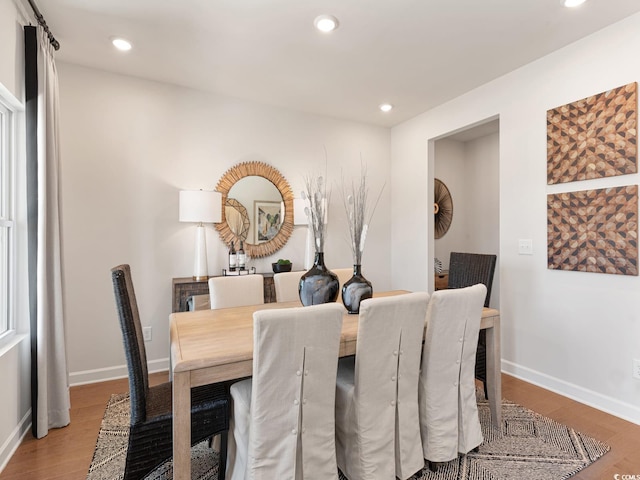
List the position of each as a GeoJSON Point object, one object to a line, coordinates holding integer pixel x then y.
{"type": "Point", "coordinates": [267, 217]}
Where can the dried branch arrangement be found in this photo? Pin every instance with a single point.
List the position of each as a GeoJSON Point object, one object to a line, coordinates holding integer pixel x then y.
{"type": "Point", "coordinates": [315, 194]}
{"type": "Point", "coordinates": [359, 213]}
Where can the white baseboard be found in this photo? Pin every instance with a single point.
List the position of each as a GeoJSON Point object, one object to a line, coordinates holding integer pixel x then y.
{"type": "Point", "coordinates": [15, 439]}
{"type": "Point", "coordinates": [607, 404]}
{"type": "Point", "coordinates": [113, 373]}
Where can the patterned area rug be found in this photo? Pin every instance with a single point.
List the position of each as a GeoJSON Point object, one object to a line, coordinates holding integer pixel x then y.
{"type": "Point", "coordinates": [527, 446]}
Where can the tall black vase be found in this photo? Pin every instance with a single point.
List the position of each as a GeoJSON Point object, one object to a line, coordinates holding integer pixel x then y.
{"type": "Point", "coordinates": [356, 290]}
{"type": "Point", "coordinates": [318, 285]}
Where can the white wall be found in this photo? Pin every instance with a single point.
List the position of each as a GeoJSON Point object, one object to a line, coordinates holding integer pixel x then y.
{"type": "Point", "coordinates": [129, 145]}
{"type": "Point", "coordinates": [15, 406]}
{"type": "Point", "coordinates": [575, 333]}
{"type": "Point", "coordinates": [470, 172]}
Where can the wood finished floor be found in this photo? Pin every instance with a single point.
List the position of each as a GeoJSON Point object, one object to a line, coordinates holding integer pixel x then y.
{"type": "Point", "coordinates": [66, 452]}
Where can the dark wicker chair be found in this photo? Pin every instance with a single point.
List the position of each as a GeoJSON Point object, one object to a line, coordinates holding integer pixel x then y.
{"type": "Point", "coordinates": [465, 270]}
{"type": "Point", "coordinates": [150, 431]}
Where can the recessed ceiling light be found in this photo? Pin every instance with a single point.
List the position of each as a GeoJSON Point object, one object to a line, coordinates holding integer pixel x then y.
{"type": "Point", "coordinates": [573, 3]}
{"type": "Point", "coordinates": [326, 23]}
{"type": "Point", "coordinates": [121, 44]}
{"type": "Point", "coordinates": [385, 107]}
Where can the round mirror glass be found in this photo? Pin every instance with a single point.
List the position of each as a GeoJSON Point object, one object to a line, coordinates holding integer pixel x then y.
{"type": "Point", "coordinates": [254, 209]}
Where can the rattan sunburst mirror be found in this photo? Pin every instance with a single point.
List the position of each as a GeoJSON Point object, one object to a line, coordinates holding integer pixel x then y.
{"type": "Point", "coordinates": [240, 224]}
{"type": "Point", "coordinates": [442, 209]}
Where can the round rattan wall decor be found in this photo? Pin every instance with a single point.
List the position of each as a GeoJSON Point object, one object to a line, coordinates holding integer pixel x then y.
{"type": "Point", "coordinates": [442, 209]}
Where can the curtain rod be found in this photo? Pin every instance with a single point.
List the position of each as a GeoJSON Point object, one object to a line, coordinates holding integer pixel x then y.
{"type": "Point", "coordinates": [44, 25]}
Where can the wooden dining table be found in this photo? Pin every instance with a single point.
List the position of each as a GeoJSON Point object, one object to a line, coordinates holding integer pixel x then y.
{"type": "Point", "coordinates": [210, 346]}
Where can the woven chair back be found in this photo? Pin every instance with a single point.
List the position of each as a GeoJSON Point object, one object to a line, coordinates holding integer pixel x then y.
{"type": "Point", "coordinates": [467, 269]}
{"type": "Point", "coordinates": [133, 341]}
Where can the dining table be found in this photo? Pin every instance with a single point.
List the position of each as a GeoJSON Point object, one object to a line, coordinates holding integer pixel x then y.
{"type": "Point", "coordinates": [211, 346]}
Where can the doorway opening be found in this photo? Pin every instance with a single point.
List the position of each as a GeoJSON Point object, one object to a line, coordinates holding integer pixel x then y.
{"type": "Point", "coordinates": [467, 162]}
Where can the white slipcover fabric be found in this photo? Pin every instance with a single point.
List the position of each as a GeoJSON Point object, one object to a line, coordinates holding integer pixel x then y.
{"type": "Point", "coordinates": [282, 425]}
{"type": "Point", "coordinates": [377, 428]}
{"type": "Point", "coordinates": [236, 291]}
{"type": "Point", "coordinates": [344, 275]}
{"type": "Point", "coordinates": [448, 410]}
{"type": "Point", "coordinates": [286, 286]}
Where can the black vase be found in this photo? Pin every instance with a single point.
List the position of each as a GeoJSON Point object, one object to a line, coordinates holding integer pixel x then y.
{"type": "Point", "coordinates": [355, 290]}
{"type": "Point", "coordinates": [319, 284]}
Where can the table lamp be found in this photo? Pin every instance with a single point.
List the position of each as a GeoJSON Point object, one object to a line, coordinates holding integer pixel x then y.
{"type": "Point", "coordinates": [200, 206]}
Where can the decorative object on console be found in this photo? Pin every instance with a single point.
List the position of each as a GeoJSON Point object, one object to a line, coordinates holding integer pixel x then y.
{"type": "Point", "coordinates": [319, 284]}
{"type": "Point", "coordinates": [594, 230]}
{"type": "Point", "coordinates": [442, 208]}
{"type": "Point", "coordinates": [281, 266]}
{"type": "Point", "coordinates": [359, 214]}
{"type": "Point", "coordinates": [242, 257]}
{"type": "Point", "coordinates": [594, 137]}
{"type": "Point", "coordinates": [200, 206]}
{"type": "Point", "coordinates": [437, 265]}
{"type": "Point", "coordinates": [233, 258]}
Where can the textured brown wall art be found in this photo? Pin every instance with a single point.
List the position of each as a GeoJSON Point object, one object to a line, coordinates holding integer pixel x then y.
{"type": "Point", "coordinates": [594, 230]}
{"type": "Point", "coordinates": [594, 137]}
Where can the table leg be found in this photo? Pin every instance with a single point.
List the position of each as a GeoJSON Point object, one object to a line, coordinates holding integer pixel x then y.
{"type": "Point", "coordinates": [181, 426]}
{"type": "Point", "coordinates": [494, 378]}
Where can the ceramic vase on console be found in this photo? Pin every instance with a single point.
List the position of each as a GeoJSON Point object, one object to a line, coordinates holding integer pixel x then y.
{"type": "Point", "coordinates": [355, 290]}
{"type": "Point", "coordinates": [319, 284]}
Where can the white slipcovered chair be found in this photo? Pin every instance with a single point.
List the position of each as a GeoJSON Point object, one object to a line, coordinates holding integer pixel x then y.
{"type": "Point", "coordinates": [377, 427]}
{"type": "Point", "coordinates": [286, 286]}
{"type": "Point", "coordinates": [449, 422]}
{"type": "Point", "coordinates": [344, 275]}
{"type": "Point", "coordinates": [236, 291]}
{"type": "Point", "coordinates": [283, 417]}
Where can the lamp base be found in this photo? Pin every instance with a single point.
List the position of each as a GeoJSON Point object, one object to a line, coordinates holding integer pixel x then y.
{"type": "Point", "coordinates": [200, 278]}
{"type": "Point", "coordinates": [200, 263]}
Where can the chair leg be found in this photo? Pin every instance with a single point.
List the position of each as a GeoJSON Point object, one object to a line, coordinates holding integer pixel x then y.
{"type": "Point", "coordinates": [222, 463]}
{"type": "Point", "coordinates": [433, 466]}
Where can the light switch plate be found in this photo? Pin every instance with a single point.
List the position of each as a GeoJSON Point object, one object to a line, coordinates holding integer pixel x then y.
{"type": "Point", "coordinates": [525, 247]}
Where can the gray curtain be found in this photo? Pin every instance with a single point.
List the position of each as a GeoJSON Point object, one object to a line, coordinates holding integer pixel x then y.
{"type": "Point", "coordinates": [50, 386]}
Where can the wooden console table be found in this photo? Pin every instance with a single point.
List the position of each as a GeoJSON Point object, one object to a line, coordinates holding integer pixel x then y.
{"type": "Point", "coordinates": [184, 287]}
{"type": "Point", "coordinates": [442, 280]}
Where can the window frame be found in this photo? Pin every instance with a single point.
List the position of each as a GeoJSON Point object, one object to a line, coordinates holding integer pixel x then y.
{"type": "Point", "coordinates": [9, 109]}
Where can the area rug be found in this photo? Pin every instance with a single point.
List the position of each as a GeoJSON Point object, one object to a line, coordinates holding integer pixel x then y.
{"type": "Point", "coordinates": [528, 446]}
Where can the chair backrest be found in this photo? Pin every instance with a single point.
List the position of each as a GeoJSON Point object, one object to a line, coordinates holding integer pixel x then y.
{"type": "Point", "coordinates": [295, 357]}
{"type": "Point", "coordinates": [448, 359]}
{"type": "Point", "coordinates": [467, 269]}
{"type": "Point", "coordinates": [286, 285]}
{"type": "Point", "coordinates": [344, 275]}
{"type": "Point", "coordinates": [387, 365]}
{"type": "Point", "coordinates": [133, 339]}
{"type": "Point", "coordinates": [236, 291]}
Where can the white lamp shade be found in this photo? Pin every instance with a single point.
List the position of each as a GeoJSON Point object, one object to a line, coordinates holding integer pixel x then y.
{"type": "Point", "coordinates": [200, 206]}
{"type": "Point", "coordinates": [299, 217]}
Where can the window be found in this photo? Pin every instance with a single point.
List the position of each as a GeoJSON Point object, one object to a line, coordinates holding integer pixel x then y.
{"type": "Point", "coordinates": [7, 237]}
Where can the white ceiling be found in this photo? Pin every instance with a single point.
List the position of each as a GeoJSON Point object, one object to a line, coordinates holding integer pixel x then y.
{"type": "Point", "coordinates": [415, 54]}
